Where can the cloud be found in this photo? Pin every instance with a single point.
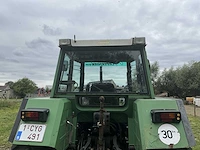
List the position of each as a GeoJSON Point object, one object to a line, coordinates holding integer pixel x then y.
{"type": "Point", "coordinates": [30, 30]}
{"type": "Point", "coordinates": [38, 43]}
{"type": "Point", "coordinates": [49, 31]}
{"type": "Point", "coordinates": [18, 52]}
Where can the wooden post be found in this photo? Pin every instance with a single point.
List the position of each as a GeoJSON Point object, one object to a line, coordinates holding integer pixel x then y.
{"type": "Point", "coordinates": [195, 108]}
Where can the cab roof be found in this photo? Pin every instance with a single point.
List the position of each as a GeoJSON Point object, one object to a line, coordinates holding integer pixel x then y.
{"type": "Point", "coordinates": [107, 42]}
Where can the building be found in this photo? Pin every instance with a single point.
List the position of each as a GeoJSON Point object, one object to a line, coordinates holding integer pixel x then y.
{"type": "Point", "coordinates": [6, 92]}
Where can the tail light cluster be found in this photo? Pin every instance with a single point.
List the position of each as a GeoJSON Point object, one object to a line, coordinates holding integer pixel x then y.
{"type": "Point", "coordinates": [35, 114]}
{"type": "Point", "coordinates": [165, 116]}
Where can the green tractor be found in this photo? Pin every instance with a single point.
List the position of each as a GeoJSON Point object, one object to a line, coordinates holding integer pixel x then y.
{"type": "Point", "coordinates": [102, 99]}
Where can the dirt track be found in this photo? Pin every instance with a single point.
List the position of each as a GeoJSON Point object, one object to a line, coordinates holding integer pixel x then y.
{"type": "Point", "coordinates": [190, 110]}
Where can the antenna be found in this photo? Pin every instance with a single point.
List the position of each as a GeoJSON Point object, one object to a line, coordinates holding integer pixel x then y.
{"type": "Point", "coordinates": [74, 38]}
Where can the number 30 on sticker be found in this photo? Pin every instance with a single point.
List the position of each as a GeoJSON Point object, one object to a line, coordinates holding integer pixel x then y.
{"type": "Point", "coordinates": [168, 134]}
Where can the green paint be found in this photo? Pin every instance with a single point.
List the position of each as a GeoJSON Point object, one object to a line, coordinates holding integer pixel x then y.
{"type": "Point", "coordinates": [145, 132]}
{"type": "Point", "coordinates": [57, 132]}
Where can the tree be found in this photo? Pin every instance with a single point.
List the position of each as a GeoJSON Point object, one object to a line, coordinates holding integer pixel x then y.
{"type": "Point", "coordinates": [9, 83]}
{"type": "Point", "coordinates": [154, 72]}
{"type": "Point", "coordinates": [182, 81]}
{"type": "Point", "coordinates": [24, 86]}
{"type": "Point", "coordinates": [188, 77]}
{"type": "Point", "coordinates": [166, 82]}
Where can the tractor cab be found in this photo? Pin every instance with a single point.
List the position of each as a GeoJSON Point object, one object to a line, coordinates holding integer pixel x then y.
{"type": "Point", "coordinates": [103, 67]}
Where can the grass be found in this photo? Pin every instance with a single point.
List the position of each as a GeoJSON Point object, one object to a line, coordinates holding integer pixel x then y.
{"type": "Point", "coordinates": [9, 109]}
{"type": "Point", "coordinates": [195, 124]}
{"type": "Point", "coordinates": [8, 112]}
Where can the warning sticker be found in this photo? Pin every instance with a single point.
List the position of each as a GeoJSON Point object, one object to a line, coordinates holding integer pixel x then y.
{"type": "Point", "coordinates": [104, 64]}
{"type": "Point", "coordinates": [168, 134]}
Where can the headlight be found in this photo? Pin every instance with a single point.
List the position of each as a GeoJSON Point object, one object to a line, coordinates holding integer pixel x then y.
{"type": "Point", "coordinates": [121, 101]}
{"type": "Point", "coordinates": [84, 101]}
{"type": "Point", "coordinates": [64, 42]}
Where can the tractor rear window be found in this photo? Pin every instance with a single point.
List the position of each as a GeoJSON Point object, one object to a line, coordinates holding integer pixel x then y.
{"type": "Point", "coordinates": [102, 71]}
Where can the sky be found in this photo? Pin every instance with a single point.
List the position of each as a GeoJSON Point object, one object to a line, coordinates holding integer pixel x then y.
{"type": "Point", "coordinates": [30, 30]}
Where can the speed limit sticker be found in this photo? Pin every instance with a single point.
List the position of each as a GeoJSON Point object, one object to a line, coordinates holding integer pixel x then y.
{"type": "Point", "coordinates": [168, 134]}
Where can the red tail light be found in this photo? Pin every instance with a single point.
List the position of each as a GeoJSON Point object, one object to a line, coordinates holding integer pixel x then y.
{"type": "Point", "coordinates": [31, 114]}
{"type": "Point", "coordinates": [35, 114]}
{"type": "Point", "coordinates": [165, 116]}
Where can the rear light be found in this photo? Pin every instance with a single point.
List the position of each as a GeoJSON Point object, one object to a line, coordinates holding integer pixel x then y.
{"type": "Point", "coordinates": [165, 116]}
{"type": "Point", "coordinates": [35, 114]}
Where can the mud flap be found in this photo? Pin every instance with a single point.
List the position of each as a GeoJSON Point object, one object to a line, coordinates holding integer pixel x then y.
{"type": "Point", "coordinates": [17, 121]}
{"type": "Point", "coordinates": [186, 124]}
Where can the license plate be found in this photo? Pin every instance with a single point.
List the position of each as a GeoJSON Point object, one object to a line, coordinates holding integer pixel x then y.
{"type": "Point", "coordinates": [30, 132]}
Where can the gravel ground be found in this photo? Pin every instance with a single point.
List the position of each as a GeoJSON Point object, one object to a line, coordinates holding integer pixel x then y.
{"type": "Point", "coordinates": [190, 110]}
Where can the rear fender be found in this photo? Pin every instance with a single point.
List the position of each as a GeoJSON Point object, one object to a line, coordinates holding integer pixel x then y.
{"type": "Point", "coordinates": [144, 134]}
{"type": "Point", "coordinates": [58, 133]}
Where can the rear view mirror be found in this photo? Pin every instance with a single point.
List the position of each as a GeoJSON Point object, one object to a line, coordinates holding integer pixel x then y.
{"type": "Point", "coordinates": [65, 66]}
